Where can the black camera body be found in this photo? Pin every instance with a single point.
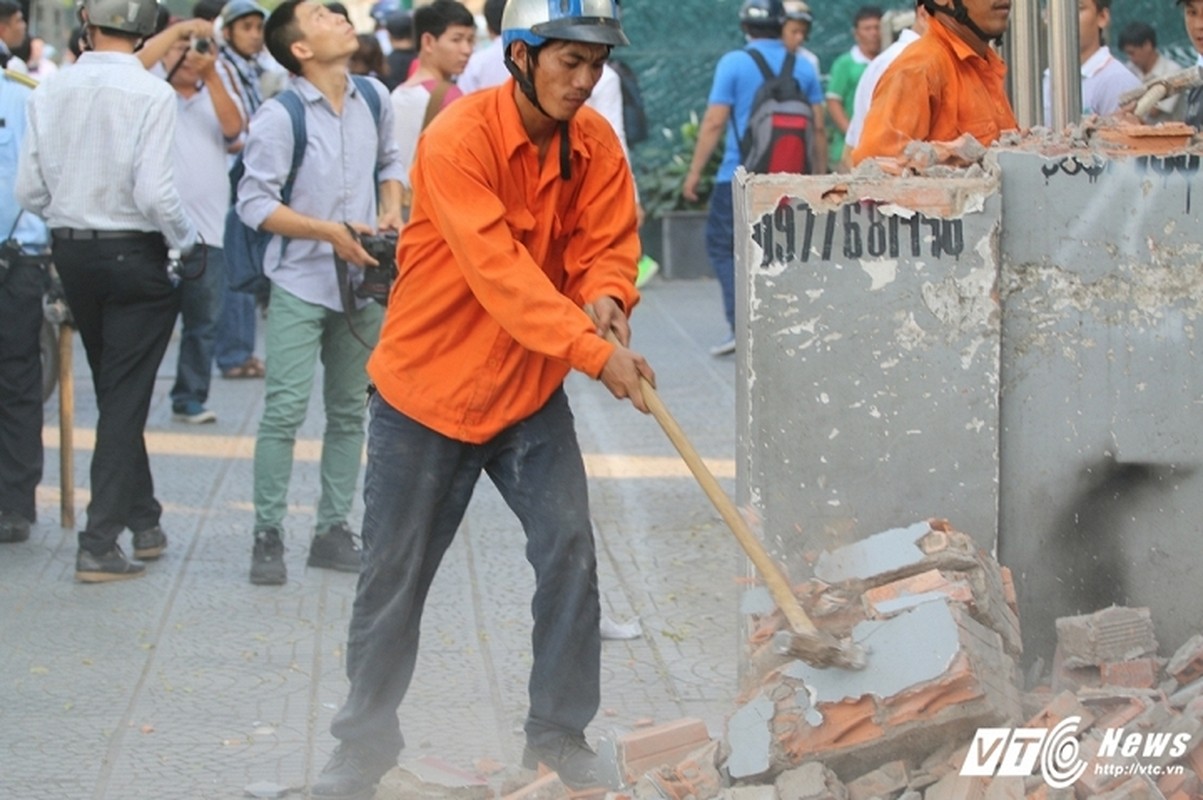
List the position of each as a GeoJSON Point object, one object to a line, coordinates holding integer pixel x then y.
{"type": "Point", "coordinates": [10, 253]}
{"type": "Point", "coordinates": [202, 45]}
{"type": "Point", "coordinates": [377, 281]}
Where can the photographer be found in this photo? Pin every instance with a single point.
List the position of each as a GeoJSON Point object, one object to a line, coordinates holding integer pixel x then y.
{"type": "Point", "coordinates": [333, 201]}
{"type": "Point", "coordinates": [96, 163]}
{"type": "Point", "coordinates": [22, 281]}
{"type": "Point", "coordinates": [209, 120]}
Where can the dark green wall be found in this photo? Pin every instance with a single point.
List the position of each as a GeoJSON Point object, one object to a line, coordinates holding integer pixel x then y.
{"type": "Point", "coordinates": [676, 43]}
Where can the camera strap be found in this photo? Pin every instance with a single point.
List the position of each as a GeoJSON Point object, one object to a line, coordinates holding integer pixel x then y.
{"type": "Point", "coordinates": [345, 291]}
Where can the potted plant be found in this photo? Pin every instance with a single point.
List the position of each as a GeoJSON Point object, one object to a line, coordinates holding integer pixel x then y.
{"type": "Point", "coordinates": [682, 224]}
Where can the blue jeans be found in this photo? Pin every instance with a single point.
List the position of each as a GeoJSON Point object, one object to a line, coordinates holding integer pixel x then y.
{"type": "Point", "coordinates": [200, 309]}
{"type": "Point", "coordinates": [236, 331]}
{"type": "Point", "coordinates": [417, 486]}
{"type": "Point", "coordinates": [720, 245]}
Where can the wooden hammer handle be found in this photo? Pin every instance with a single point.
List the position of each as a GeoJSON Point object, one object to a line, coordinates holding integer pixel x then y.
{"type": "Point", "coordinates": [773, 577]}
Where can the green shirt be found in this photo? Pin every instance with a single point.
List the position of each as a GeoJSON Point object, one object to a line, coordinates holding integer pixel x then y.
{"type": "Point", "coordinates": [841, 85]}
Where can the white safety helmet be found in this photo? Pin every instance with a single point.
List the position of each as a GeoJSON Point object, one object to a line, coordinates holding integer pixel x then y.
{"type": "Point", "coordinates": [536, 21]}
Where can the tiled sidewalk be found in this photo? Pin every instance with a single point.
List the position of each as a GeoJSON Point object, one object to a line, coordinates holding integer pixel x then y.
{"type": "Point", "coordinates": [192, 683]}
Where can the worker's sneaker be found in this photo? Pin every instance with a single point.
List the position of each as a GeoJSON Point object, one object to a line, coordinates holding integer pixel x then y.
{"type": "Point", "coordinates": [13, 528]}
{"type": "Point", "coordinates": [111, 566]}
{"type": "Point", "coordinates": [335, 548]}
{"type": "Point", "coordinates": [193, 413]}
{"type": "Point", "coordinates": [267, 558]}
{"type": "Point", "coordinates": [150, 543]}
{"type": "Point", "coordinates": [351, 774]}
{"type": "Point", "coordinates": [570, 757]}
{"type": "Point", "coordinates": [724, 348]}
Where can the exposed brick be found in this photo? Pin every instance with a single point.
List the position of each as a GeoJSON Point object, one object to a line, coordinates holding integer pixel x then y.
{"type": "Point", "coordinates": [695, 777]}
{"type": "Point", "coordinates": [811, 781]}
{"type": "Point", "coordinates": [1009, 595]}
{"type": "Point", "coordinates": [1066, 678]}
{"type": "Point", "coordinates": [1060, 707]}
{"type": "Point", "coordinates": [1179, 786]}
{"type": "Point", "coordinates": [878, 717]}
{"type": "Point", "coordinates": [885, 781]}
{"type": "Point", "coordinates": [1186, 664]}
{"type": "Point", "coordinates": [1136, 788]}
{"type": "Point", "coordinates": [1136, 673]}
{"type": "Point", "coordinates": [1113, 634]}
{"type": "Point", "coordinates": [1005, 788]}
{"type": "Point", "coordinates": [957, 787]}
{"type": "Point", "coordinates": [662, 745]}
{"type": "Point", "coordinates": [752, 793]}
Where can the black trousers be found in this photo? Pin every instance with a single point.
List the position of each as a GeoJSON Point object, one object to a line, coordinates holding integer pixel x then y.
{"type": "Point", "coordinates": [124, 308]}
{"type": "Point", "coordinates": [21, 389]}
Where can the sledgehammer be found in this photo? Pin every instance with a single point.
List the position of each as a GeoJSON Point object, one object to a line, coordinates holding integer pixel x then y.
{"type": "Point", "coordinates": [804, 641]}
{"type": "Point", "coordinates": [1157, 90]}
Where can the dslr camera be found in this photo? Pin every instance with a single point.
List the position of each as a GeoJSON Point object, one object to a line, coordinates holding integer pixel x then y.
{"type": "Point", "coordinates": [10, 252]}
{"type": "Point", "coordinates": [377, 281]}
{"type": "Point", "coordinates": [202, 45]}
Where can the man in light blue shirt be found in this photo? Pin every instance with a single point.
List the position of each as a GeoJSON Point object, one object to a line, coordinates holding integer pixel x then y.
{"type": "Point", "coordinates": [736, 79]}
{"type": "Point", "coordinates": [334, 198]}
{"type": "Point", "coordinates": [22, 280]}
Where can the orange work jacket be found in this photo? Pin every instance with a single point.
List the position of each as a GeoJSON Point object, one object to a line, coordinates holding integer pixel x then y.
{"type": "Point", "coordinates": [935, 91]}
{"type": "Point", "coordinates": [500, 254]}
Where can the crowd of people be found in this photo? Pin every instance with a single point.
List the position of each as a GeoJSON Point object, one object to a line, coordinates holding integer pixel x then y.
{"type": "Point", "coordinates": [517, 219]}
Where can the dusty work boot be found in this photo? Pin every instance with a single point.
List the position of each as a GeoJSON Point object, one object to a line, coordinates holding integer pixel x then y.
{"type": "Point", "coordinates": [13, 528]}
{"type": "Point", "coordinates": [568, 756]}
{"type": "Point", "coordinates": [110, 566]}
{"type": "Point", "coordinates": [351, 774]}
{"type": "Point", "coordinates": [150, 543]}
{"type": "Point", "coordinates": [335, 548]}
{"type": "Point", "coordinates": [267, 558]}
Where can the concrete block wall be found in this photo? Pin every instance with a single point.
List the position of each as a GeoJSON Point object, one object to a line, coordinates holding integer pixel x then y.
{"type": "Point", "coordinates": [1012, 350]}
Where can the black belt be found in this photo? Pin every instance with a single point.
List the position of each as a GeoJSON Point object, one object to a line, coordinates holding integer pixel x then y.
{"type": "Point", "coordinates": [76, 234]}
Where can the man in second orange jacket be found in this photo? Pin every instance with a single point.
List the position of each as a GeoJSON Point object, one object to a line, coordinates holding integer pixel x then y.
{"type": "Point", "coordinates": [519, 256]}
{"type": "Point", "coordinates": [948, 83]}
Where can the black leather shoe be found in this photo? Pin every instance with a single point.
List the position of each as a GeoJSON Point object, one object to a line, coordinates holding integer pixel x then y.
{"type": "Point", "coordinates": [13, 528]}
{"type": "Point", "coordinates": [112, 566]}
{"type": "Point", "coordinates": [150, 543]}
{"type": "Point", "coordinates": [335, 548]}
{"type": "Point", "coordinates": [570, 757]}
{"type": "Point", "coordinates": [351, 774]}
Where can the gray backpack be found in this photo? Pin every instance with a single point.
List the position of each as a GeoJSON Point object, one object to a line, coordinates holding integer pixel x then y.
{"type": "Point", "coordinates": [780, 132]}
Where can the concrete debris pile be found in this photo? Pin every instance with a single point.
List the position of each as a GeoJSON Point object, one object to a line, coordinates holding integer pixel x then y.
{"type": "Point", "coordinates": [936, 714]}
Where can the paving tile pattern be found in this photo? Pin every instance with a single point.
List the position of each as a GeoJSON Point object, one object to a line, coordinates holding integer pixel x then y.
{"type": "Point", "coordinates": [192, 683]}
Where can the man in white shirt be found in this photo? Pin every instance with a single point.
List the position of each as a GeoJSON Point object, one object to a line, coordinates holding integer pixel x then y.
{"type": "Point", "coordinates": [1104, 78]}
{"type": "Point", "coordinates": [877, 67]}
{"type": "Point", "coordinates": [486, 67]}
{"type": "Point", "coordinates": [1192, 17]}
{"type": "Point", "coordinates": [1138, 40]}
{"type": "Point", "coordinates": [445, 31]}
{"type": "Point", "coordinates": [96, 165]}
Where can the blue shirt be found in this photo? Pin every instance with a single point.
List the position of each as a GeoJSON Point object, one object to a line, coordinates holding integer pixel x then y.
{"type": "Point", "coordinates": [30, 231]}
{"type": "Point", "coordinates": [334, 181]}
{"type": "Point", "coordinates": [736, 79]}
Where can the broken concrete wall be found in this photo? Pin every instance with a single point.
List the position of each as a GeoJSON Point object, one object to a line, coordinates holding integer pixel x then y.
{"type": "Point", "coordinates": [870, 372]}
{"type": "Point", "coordinates": [1102, 295]}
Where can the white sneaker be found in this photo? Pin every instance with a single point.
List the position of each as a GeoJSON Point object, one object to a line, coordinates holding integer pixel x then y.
{"type": "Point", "coordinates": [724, 348]}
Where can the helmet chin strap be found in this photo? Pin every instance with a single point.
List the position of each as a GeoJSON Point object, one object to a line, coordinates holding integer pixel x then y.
{"type": "Point", "coordinates": [526, 83]}
{"type": "Point", "coordinates": [961, 15]}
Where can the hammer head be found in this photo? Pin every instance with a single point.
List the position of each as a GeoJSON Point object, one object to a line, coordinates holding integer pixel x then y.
{"type": "Point", "coordinates": [822, 650]}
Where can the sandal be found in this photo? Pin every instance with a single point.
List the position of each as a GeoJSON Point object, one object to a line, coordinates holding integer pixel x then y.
{"type": "Point", "coordinates": [251, 368]}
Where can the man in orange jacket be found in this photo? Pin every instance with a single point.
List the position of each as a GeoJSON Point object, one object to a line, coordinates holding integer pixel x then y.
{"type": "Point", "coordinates": [946, 84]}
{"type": "Point", "coordinates": [519, 256]}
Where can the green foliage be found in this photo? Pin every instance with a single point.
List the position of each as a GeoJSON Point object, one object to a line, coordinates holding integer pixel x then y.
{"type": "Point", "coordinates": [660, 184]}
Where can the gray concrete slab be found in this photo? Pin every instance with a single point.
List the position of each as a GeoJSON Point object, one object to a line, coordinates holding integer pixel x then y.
{"type": "Point", "coordinates": [192, 683]}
